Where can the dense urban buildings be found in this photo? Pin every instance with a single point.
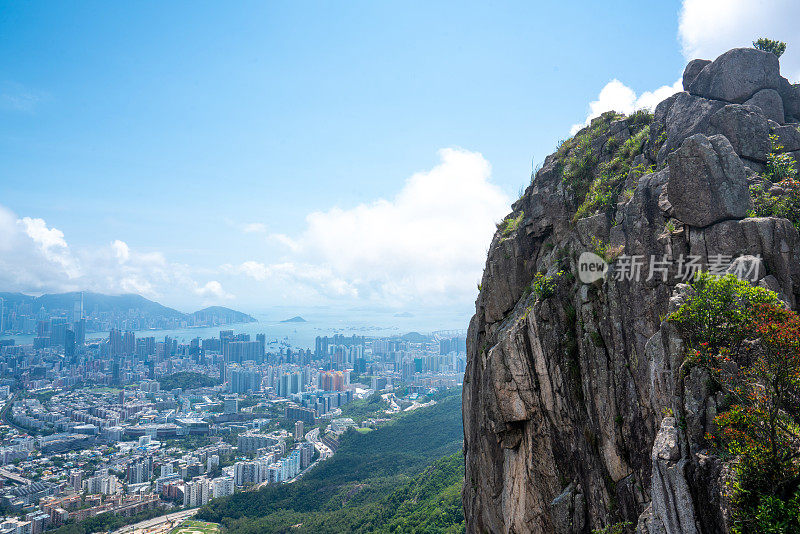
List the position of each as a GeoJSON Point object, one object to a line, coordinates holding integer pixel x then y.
{"type": "Point", "coordinates": [131, 422]}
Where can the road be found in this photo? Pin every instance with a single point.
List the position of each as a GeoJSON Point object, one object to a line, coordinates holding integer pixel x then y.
{"type": "Point", "coordinates": [157, 525]}
{"type": "Point", "coordinates": [415, 405]}
{"type": "Point", "coordinates": [7, 419]}
{"type": "Point", "coordinates": [313, 437]}
{"type": "Point", "coordinates": [14, 478]}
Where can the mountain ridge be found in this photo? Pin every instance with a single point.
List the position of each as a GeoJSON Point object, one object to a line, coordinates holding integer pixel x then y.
{"type": "Point", "coordinates": [122, 303]}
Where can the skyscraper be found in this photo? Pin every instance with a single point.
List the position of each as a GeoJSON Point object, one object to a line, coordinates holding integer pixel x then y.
{"type": "Point", "coordinates": [2, 315]}
{"type": "Point", "coordinates": [115, 372]}
{"type": "Point", "coordinates": [129, 343]}
{"type": "Point", "coordinates": [79, 327]}
{"type": "Point", "coordinates": [69, 345]}
{"type": "Point", "coordinates": [115, 342]}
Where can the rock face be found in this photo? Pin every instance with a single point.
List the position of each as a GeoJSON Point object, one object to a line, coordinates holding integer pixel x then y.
{"type": "Point", "coordinates": [770, 103]}
{"type": "Point", "coordinates": [707, 182]}
{"type": "Point", "coordinates": [576, 415]}
{"type": "Point", "coordinates": [691, 71]}
{"type": "Point", "coordinates": [745, 128]}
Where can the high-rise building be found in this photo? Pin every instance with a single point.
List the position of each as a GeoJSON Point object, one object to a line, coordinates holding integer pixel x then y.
{"type": "Point", "coordinates": [223, 486]}
{"type": "Point", "coordinates": [194, 347]}
{"type": "Point", "coordinates": [76, 479]}
{"type": "Point", "coordinates": [140, 471]}
{"type": "Point", "coordinates": [245, 473]}
{"type": "Point", "coordinates": [241, 351]}
{"type": "Point", "coordinates": [252, 441]}
{"type": "Point", "coordinates": [298, 430]}
{"type": "Point", "coordinates": [115, 371]}
{"type": "Point", "coordinates": [169, 346]}
{"type": "Point", "coordinates": [79, 327]}
{"type": "Point", "coordinates": [231, 405]}
{"type": "Point", "coordinates": [197, 492]}
{"type": "Point", "coordinates": [321, 347]}
{"type": "Point", "coordinates": [69, 345]}
{"type": "Point", "coordinates": [244, 380]}
{"type": "Point", "coordinates": [262, 341]}
{"type": "Point", "coordinates": [58, 328]}
{"type": "Point", "coordinates": [129, 343]}
{"type": "Point", "coordinates": [2, 316]}
{"type": "Point", "coordinates": [145, 347]}
{"type": "Point", "coordinates": [306, 454]}
{"type": "Point", "coordinates": [115, 342]}
{"type": "Point", "coordinates": [296, 413]}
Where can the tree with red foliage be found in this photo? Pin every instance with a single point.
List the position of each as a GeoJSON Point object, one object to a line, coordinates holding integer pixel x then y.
{"type": "Point", "coordinates": [762, 428]}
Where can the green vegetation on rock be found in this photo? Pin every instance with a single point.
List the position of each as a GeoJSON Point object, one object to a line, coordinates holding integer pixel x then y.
{"type": "Point", "coordinates": [510, 224]}
{"type": "Point", "coordinates": [750, 346]}
{"type": "Point", "coordinates": [778, 193]}
{"type": "Point", "coordinates": [770, 45]}
{"type": "Point", "coordinates": [593, 172]}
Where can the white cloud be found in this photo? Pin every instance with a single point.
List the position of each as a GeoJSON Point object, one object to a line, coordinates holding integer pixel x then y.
{"type": "Point", "coordinates": [254, 228]}
{"type": "Point", "coordinates": [308, 278]}
{"type": "Point", "coordinates": [213, 289]}
{"type": "Point", "coordinates": [51, 244]}
{"type": "Point", "coordinates": [35, 257]}
{"type": "Point", "coordinates": [707, 28]}
{"type": "Point", "coordinates": [427, 245]}
{"type": "Point", "coordinates": [619, 97]}
{"type": "Point", "coordinates": [122, 250]}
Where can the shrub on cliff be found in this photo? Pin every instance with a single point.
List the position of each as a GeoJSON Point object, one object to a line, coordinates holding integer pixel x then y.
{"type": "Point", "coordinates": [719, 312]}
{"type": "Point", "coordinates": [783, 200]}
{"type": "Point", "coordinates": [761, 428]}
{"type": "Point", "coordinates": [750, 344]}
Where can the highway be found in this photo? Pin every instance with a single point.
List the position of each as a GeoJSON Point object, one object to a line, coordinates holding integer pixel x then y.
{"type": "Point", "coordinates": [14, 478]}
{"type": "Point", "coordinates": [157, 525]}
{"type": "Point", "coordinates": [313, 437]}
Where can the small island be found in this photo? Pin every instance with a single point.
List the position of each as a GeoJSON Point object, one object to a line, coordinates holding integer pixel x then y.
{"type": "Point", "coordinates": [295, 319]}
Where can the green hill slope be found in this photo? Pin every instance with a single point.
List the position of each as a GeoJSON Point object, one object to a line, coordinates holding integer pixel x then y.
{"type": "Point", "coordinates": [403, 477]}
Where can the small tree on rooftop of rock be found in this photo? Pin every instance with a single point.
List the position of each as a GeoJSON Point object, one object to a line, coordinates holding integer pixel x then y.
{"type": "Point", "coordinates": [770, 45]}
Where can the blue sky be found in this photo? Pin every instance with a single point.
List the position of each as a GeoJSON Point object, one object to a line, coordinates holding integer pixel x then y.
{"type": "Point", "coordinates": [177, 149]}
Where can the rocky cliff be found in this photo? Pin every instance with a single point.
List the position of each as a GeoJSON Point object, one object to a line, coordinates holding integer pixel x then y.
{"type": "Point", "coordinates": [575, 413]}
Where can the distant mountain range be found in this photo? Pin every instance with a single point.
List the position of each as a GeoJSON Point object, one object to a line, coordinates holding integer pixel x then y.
{"type": "Point", "coordinates": [123, 304]}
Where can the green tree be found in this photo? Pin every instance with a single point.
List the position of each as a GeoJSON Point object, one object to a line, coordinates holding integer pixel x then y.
{"type": "Point", "coordinates": [770, 45]}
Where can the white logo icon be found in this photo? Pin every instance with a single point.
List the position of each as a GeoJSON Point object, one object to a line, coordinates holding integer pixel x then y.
{"type": "Point", "coordinates": [591, 267]}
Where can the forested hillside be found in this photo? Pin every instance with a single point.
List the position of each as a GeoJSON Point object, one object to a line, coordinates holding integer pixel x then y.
{"type": "Point", "coordinates": [403, 477]}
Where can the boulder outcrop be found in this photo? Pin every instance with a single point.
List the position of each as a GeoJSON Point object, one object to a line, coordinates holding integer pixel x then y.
{"type": "Point", "coordinates": [576, 413]}
{"type": "Point", "coordinates": [737, 75]}
{"type": "Point", "coordinates": [707, 182]}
